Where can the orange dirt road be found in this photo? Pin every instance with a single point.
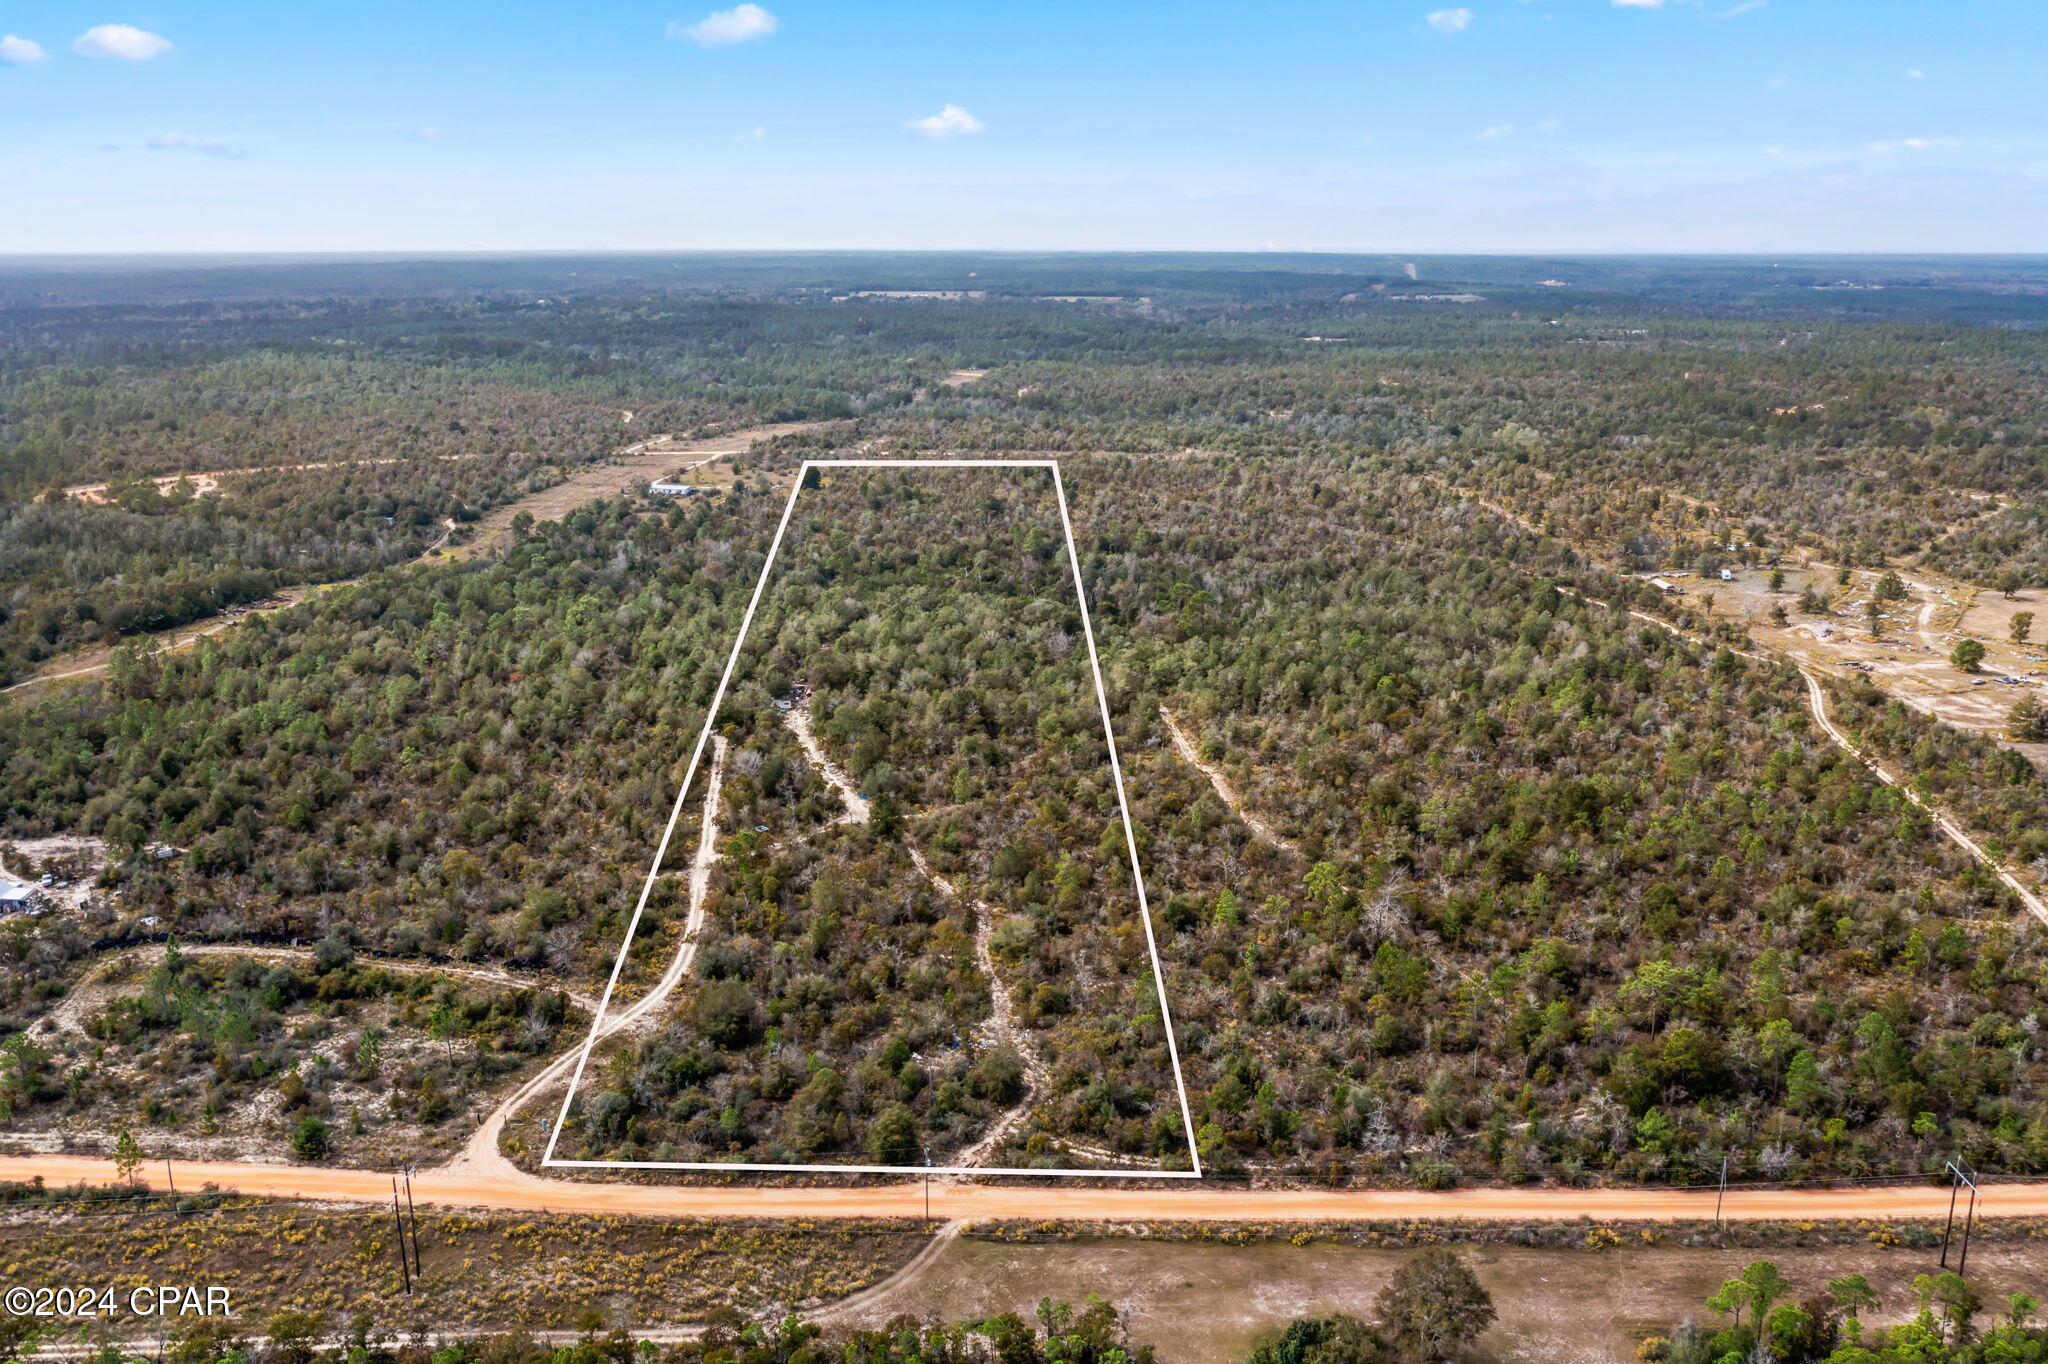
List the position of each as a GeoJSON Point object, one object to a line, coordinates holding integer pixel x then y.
{"type": "Point", "coordinates": [1036, 1203]}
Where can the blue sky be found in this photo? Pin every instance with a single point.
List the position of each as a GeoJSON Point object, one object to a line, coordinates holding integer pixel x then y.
{"type": "Point", "coordinates": [1486, 125]}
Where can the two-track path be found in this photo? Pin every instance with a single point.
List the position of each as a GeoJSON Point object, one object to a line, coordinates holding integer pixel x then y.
{"type": "Point", "coordinates": [1004, 1025]}
{"type": "Point", "coordinates": [481, 1157]}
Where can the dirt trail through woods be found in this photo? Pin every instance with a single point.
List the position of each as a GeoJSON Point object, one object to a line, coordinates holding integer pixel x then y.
{"type": "Point", "coordinates": [481, 1157]}
{"type": "Point", "coordinates": [1953, 829]}
{"type": "Point", "coordinates": [1185, 746]}
{"type": "Point", "coordinates": [1818, 695]}
{"type": "Point", "coordinates": [1004, 1025]}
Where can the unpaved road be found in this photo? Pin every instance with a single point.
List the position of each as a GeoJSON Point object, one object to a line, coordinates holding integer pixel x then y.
{"type": "Point", "coordinates": [799, 721]}
{"type": "Point", "coordinates": [2033, 902]}
{"type": "Point", "coordinates": [1190, 1202]}
{"type": "Point", "coordinates": [631, 468]}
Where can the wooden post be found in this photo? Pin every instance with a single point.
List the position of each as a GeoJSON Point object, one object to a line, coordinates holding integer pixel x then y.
{"type": "Point", "coordinates": [1969, 1218]}
{"type": "Point", "coordinates": [1719, 1237]}
{"type": "Point", "coordinates": [404, 1267]}
{"type": "Point", "coordinates": [1955, 1187]}
{"type": "Point", "coordinates": [413, 1217]}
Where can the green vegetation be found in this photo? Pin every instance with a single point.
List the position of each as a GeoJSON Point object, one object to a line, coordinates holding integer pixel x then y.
{"type": "Point", "coordinates": [1432, 1310]}
{"type": "Point", "coordinates": [1567, 895]}
{"type": "Point", "coordinates": [1769, 1319]}
{"type": "Point", "coordinates": [345, 1058]}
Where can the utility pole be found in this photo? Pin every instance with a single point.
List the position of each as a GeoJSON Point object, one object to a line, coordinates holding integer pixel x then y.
{"type": "Point", "coordinates": [404, 1266]}
{"type": "Point", "coordinates": [173, 1183]}
{"type": "Point", "coordinates": [413, 1217]}
{"type": "Point", "coordinates": [1958, 1179]}
{"type": "Point", "coordinates": [1720, 1238]}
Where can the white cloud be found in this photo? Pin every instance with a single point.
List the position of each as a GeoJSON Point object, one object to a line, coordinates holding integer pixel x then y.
{"type": "Point", "coordinates": [1777, 82]}
{"type": "Point", "coordinates": [951, 121]}
{"type": "Point", "coordinates": [724, 27]}
{"type": "Point", "coordinates": [1914, 73]}
{"type": "Point", "coordinates": [123, 42]}
{"type": "Point", "coordinates": [1548, 126]}
{"type": "Point", "coordinates": [1497, 131]}
{"type": "Point", "coordinates": [1746, 7]}
{"type": "Point", "coordinates": [21, 51]}
{"type": "Point", "coordinates": [204, 146]}
{"type": "Point", "coordinates": [423, 132]}
{"type": "Point", "coordinates": [1914, 144]}
{"type": "Point", "coordinates": [1449, 20]}
{"type": "Point", "coordinates": [1639, 4]}
{"type": "Point", "coordinates": [757, 133]}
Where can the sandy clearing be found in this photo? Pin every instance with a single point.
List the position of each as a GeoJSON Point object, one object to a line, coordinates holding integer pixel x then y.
{"type": "Point", "coordinates": [208, 480]}
{"type": "Point", "coordinates": [630, 470]}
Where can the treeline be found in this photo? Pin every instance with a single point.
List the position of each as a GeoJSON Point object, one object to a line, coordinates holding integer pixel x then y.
{"type": "Point", "coordinates": [1769, 1317]}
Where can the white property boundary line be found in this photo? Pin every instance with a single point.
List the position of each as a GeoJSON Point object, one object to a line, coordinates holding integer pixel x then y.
{"type": "Point", "coordinates": [675, 814]}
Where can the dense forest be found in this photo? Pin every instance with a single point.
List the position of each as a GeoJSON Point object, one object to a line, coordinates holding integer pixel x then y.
{"type": "Point", "coordinates": [1538, 890]}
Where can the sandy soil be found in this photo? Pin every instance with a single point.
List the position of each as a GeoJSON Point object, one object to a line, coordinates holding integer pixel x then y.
{"type": "Point", "coordinates": [635, 467]}
{"type": "Point", "coordinates": [1207, 1304]}
{"type": "Point", "coordinates": [960, 378]}
{"type": "Point", "coordinates": [208, 480]}
{"type": "Point", "coordinates": [72, 897]}
{"type": "Point", "coordinates": [1071, 1200]}
{"type": "Point", "coordinates": [1909, 659]}
{"type": "Point", "coordinates": [631, 469]}
{"type": "Point", "coordinates": [1189, 754]}
{"type": "Point", "coordinates": [1989, 616]}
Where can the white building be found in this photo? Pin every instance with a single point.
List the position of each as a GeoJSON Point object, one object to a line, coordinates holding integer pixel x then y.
{"type": "Point", "coordinates": [18, 897]}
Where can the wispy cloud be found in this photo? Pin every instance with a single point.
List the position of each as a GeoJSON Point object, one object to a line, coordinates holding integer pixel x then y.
{"type": "Point", "coordinates": [204, 146]}
{"type": "Point", "coordinates": [21, 51]}
{"type": "Point", "coordinates": [121, 42]}
{"type": "Point", "coordinates": [757, 133]}
{"type": "Point", "coordinates": [1915, 144]}
{"type": "Point", "coordinates": [1639, 4]}
{"type": "Point", "coordinates": [1737, 11]}
{"type": "Point", "coordinates": [1449, 20]}
{"type": "Point", "coordinates": [1914, 73]}
{"type": "Point", "coordinates": [423, 132]}
{"type": "Point", "coordinates": [951, 121]}
{"type": "Point", "coordinates": [1497, 131]}
{"type": "Point", "coordinates": [724, 27]}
